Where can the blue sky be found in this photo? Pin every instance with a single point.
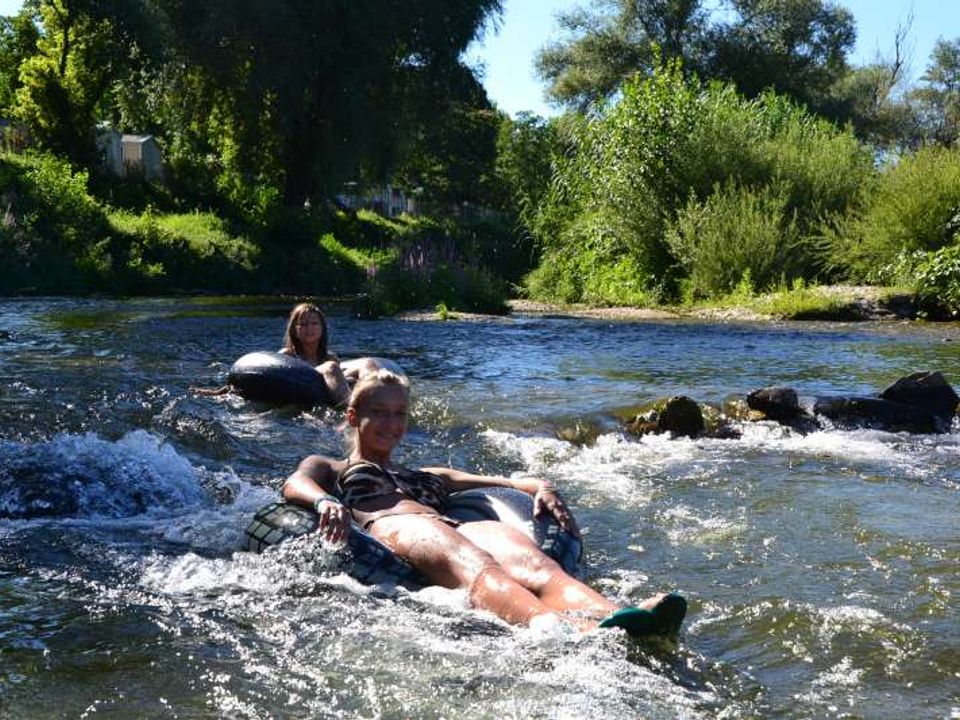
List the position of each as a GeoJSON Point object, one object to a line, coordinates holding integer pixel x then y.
{"type": "Point", "coordinates": [507, 53]}
{"type": "Point", "coordinates": [527, 25]}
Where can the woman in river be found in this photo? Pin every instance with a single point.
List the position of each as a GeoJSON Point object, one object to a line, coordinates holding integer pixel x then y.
{"type": "Point", "coordinates": [501, 569]}
{"type": "Point", "coordinates": [306, 338]}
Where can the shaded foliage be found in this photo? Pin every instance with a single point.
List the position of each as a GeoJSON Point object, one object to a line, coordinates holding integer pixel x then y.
{"type": "Point", "coordinates": [311, 92]}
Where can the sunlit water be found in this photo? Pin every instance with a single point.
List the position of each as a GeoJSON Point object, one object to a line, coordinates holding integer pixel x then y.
{"type": "Point", "coordinates": [822, 570]}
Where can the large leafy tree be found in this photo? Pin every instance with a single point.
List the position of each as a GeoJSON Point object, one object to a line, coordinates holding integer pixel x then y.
{"type": "Point", "coordinates": [937, 98]}
{"type": "Point", "coordinates": [84, 48]}
{"type": "Point", "coordinates": [796, 47]}
{"type": "Point", "coordinates": [286, 97]}
{"type": "Point", "coordinates": [617, 38]}
{"type": "Point", "coordinates": [311, 92]}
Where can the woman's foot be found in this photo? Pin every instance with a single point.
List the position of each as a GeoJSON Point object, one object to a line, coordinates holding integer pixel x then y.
{"type": "Point", "coordinates": [660, 615]}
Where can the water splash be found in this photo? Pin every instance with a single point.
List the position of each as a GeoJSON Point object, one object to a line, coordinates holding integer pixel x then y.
{"type": "Point", "coordinates": [87, 476]}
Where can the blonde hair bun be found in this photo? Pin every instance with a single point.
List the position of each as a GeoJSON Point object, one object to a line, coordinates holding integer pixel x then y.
{"type": "Point", "coordinates": [373, 381]}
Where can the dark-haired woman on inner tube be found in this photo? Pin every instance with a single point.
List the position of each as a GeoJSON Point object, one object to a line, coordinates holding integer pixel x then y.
{"type": "Point", "coordinates": [501, 569]}
{"type": "Point", "coordinates": [306, 338]}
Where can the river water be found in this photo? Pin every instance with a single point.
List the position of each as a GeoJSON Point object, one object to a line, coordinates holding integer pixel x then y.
{"type": "Point", "coordinates": [823, 571]}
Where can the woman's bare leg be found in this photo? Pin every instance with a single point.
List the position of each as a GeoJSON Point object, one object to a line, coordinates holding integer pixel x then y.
{"type": "Point", "coordinates": [336, 383]}
{"type": "Point", "coordinates": [359, 368]}
{"type": "Point", "coordinates": [450, 559]}
{"type": "Point", "coordinates": [526, 563]}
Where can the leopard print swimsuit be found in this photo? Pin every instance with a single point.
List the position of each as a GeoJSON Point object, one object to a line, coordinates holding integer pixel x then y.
{"type": "Point", "coordinates": [364, 481]}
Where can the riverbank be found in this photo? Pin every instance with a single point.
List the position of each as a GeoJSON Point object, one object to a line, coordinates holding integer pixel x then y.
{"type": "Point", "coordinates": [826, 302]}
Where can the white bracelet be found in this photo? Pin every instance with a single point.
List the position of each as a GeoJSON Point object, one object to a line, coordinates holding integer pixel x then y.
{"type": "Point", "coordinates": [322, 499]}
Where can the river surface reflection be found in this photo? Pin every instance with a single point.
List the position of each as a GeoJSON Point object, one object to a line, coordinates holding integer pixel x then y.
{"type": "Point", "coordinates": [822, 570]}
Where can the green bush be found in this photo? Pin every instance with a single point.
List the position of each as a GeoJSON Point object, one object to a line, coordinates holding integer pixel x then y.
{"type": "Point", "coordinates": [913, 208]}
{"type": "Point", "coordinates": [593, 264]}
{"type": "Point", "coordinates": [735, 232]}
{"type": "Point", "coordinates": [649, 166]}
{"type": "Point", "coordinates": [51, 230]}
{"type": "Point", "coordinates": [937, 279]}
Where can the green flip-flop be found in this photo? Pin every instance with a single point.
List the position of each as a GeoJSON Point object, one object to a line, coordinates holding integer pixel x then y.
{"type": "Point", "coordinates": [663, 619]}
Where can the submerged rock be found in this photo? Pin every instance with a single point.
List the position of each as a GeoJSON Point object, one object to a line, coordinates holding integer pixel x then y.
{"type": "Point", "coordinates": [782, 404]}
{"type": "Point", "coordinates": [581, 432]}
{"type": "Point", "coordinates": [679, 415]}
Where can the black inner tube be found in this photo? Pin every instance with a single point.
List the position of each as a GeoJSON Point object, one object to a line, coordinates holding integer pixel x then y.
{"type": "Point", "coordinates": [279, 379]}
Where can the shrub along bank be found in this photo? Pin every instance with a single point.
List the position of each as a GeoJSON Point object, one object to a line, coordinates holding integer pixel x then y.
{"type": "Point", "coordinates": [56, 238]}
{"type": "Point", "coordinates": [681, 192]}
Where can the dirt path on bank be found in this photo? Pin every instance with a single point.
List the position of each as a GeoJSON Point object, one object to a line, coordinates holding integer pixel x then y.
{"type": "Point", "coordinates": [857, 302]}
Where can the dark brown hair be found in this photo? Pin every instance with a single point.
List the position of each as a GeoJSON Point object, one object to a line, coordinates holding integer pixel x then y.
{"type": "Point", "coordinates": [292, 344]}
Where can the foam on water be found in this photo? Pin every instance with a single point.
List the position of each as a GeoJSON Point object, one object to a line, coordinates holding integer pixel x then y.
{"type": "Point", "coordinates": [87, 476]}
{"type": "Point", "coordinates": [616, 465]}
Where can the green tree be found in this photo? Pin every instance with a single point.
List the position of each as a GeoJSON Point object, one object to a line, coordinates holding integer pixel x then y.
{"type": "Point", "coordinates": [795, 47]}
{"type": "Point", "coordinates": [448, 151]}
{"type": "Point", "coordinates": [526, 149]}
{"type": "Point", "coordinates": [620, 38]}
{"type": "Point", "coordinates": [84, 47]}
{"type": "Point", "coordinates": [680, 182]}
{"type": "Point", "coordinates": [18, 41]}
{"type": "Point", "coordinates": [937, 99]}
{"type": "Point", "coordinates": [309, 93]}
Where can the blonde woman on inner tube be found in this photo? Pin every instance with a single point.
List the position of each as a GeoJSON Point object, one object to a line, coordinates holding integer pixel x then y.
{"type": "Point", "coordinates": [501, 569]}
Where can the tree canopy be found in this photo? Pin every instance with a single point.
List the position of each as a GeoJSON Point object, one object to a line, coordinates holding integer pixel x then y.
{"type": "Point", "coordinates": [795, 47]}
{"type": "Point", "coordinates": [937, 98]}
{"type": "Point", "coordinates": [293, 95]}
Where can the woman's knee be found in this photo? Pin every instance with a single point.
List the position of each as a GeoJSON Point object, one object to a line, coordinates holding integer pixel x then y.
{"type": "Point", "coordinates": [488, 581]}
{"type": "Point", "coordinates": [330, 367]}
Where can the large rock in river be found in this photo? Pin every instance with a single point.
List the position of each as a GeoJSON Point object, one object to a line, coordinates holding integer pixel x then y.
{"type": "Point", "coordinates": [777, 403]}
{"type": "Point", "coordinates": [782, 405]}
{"type": "Point", "coordinates": [875, 413]}
{"type": "Point", "coordinates": [922, 402]}
{"type": "Point", "coordinates": [679, 415]}
{"type": "Point", "coordinates": [928, 391]}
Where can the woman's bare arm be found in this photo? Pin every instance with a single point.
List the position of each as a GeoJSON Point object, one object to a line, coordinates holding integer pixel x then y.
{"type": "Point", "coordinates": [312, 484]}
{"type": "Point", "coordinates": [545, 496]}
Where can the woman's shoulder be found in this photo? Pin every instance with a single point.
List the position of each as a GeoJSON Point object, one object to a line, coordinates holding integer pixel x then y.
{"type": "Point", "coordinates": [321, 466]}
